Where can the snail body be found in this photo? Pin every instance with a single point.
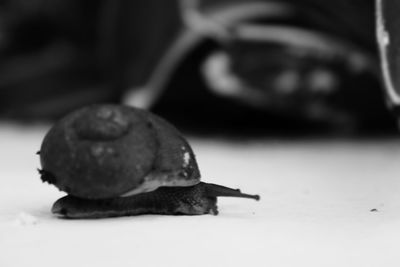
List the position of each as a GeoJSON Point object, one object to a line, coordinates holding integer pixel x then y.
{"type": "Point", "coordinates": [116, 160]}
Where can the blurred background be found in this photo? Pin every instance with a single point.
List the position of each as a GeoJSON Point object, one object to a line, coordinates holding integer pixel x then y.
{"type": "Point", "coordinates": [272, 67]}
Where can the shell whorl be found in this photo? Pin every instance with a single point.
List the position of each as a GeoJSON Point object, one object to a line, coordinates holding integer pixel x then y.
{"type": "Point", "coordinates": [105, 151]}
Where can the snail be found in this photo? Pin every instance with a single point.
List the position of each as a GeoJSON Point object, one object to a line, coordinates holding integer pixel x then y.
{"type": "Point", "coordinates": [115, 160]}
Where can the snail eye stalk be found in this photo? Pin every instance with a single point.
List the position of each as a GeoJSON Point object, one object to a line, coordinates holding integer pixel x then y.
{"type": "Point", "coordinates": [214, 190]}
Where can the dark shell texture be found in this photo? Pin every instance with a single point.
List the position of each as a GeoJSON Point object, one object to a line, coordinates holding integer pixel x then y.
{"type": "Point", "coordinates": [107, 151]}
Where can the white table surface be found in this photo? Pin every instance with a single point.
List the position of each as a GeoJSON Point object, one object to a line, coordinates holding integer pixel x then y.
{"type": "Point", "coordinates": [315, 209]}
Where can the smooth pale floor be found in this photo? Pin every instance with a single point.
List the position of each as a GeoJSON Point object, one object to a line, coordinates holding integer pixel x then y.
{"type": "Point", "coordinates": [315, 210]}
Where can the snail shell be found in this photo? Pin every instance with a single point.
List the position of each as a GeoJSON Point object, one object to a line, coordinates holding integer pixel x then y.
{"type": "Point", "coordinates": [105, 151]}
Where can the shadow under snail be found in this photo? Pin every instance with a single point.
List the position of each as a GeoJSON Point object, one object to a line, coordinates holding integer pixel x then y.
{"type": "Point", "coordinates": [115, 160]}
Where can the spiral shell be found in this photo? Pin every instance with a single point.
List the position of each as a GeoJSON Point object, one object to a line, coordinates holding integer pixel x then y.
{"type": "Point", "coordinates": [107, 151]}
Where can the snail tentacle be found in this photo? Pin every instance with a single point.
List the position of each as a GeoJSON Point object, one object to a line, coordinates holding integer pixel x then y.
{"type": "Point", "coordinates": [216, 190]}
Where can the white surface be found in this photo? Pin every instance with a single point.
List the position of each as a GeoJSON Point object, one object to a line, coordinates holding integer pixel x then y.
{"type": "Point", "coordinates": [316, 198]}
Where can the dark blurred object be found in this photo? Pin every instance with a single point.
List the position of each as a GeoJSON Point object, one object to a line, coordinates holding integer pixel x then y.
{"type": "Point", "coordinates": [316, 68]}
{"type": "Point", "coordinates": [388, 33]}
{"type": "Point", "coordinates": [56, 56]}
{"type": "Point", "coordinates": [291, 66]}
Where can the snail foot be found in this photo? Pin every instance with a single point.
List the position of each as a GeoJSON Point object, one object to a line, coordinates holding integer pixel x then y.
{"type": "Point", "coordinates": [189, 200]}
